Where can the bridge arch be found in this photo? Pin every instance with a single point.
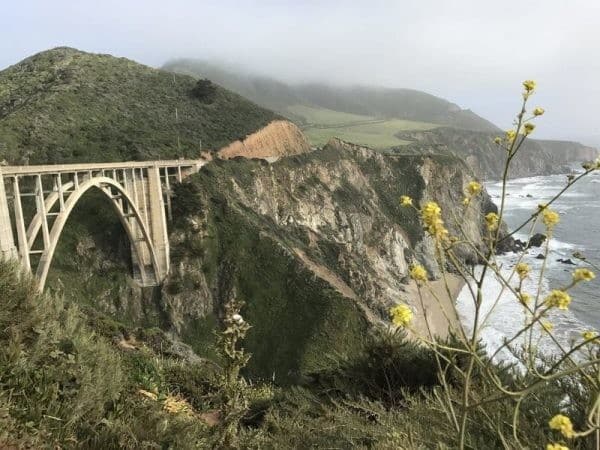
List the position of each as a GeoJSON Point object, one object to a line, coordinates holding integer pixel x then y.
{"type": "Point", "coordinates": [119, 202]}
{"type": "Point", "coordinates": [139, 191]}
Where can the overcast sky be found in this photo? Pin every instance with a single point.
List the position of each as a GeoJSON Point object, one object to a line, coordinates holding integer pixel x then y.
{"type": "Point", "coordinates": [472, 52]}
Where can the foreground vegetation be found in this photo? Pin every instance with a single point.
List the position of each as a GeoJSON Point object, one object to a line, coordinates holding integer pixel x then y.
{"type": "Point", "coordinates": [67, 382]}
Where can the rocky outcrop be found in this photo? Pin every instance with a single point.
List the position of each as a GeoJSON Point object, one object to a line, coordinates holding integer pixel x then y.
{"type": "Point", "coordinates": [567, 152]}
{"type": "Point", "coordinates": [478, 150]}
{"type": "Point", "coordinates": [277, 139]}
{"type": "Point", "coordinates": [486, 159]}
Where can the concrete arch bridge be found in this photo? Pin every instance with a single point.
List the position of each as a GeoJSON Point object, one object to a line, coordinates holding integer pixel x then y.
{"type": "Point", "coordinates": [140, 193]}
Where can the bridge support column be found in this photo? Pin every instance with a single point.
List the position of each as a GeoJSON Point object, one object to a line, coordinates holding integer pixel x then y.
{"type": "Point", "coordinates": [158, 221]}
{"type": "Point", "coordinates": [8, 250]}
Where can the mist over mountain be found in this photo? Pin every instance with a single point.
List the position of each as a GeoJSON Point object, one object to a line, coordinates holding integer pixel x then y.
{"type": "Point", "coordinates": [376, 102]}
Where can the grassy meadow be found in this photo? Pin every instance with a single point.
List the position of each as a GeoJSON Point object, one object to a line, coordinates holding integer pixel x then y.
{"type": "Point", "coordinates": [320, 125]}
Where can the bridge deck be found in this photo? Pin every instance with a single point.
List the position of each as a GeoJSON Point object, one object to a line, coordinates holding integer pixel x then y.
{"type": "Point", "coordinates": [85, 167]}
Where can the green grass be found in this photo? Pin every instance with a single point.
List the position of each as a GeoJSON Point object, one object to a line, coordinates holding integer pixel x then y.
{"type": "Point", "coordinates": [377, 134]}
{"type": "Point", "coordinates": [321, 124]}
{"type": "Point", "coordinates": [323, 116]}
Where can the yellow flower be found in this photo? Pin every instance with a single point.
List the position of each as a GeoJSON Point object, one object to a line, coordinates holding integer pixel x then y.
{"type": "Point", "coordinates": [528, 127]}
{"type": "Point", "coordinates": [418, 273]}
{"type": "Point", "coordinates": [466, 201]}
{"type": "Point", "coordinates": [432, 218]}
{"type": "Point", "coordinates": [405, 200]}
{"type": "Point", "coordinates": [401, 315]}
{"type": "Point", "coordinates": [524, 298]}
{"type": "Point", "coordinates": [529, 85]}
{"type": "Point", "coordinates": [563, 424]}
{"type": "Point", "coordinates": [511, 135]}
{"type": "Point", "coordinates": [491, 220]}
{"type": "Point", "coordinates": [522, 270]}
{"type": "Point", "coordinates": [473, 188]}
{"type": "Point", "coordinates": [589, 335]}
{"type": "Point", "coordinates": [547, 326]}
{"type": "Point", "coordinates": [558, 299]}
{"type": "Point", "coordinates": [583, 275]}
{"type": "Point", "coordinates": [549, 217]}
{"type": "Point", "coordinates": [497, 140]}
{"type": "Point", "coordinates": [556, 447]}
{"type": "Point", "coordinates": [538, 111]}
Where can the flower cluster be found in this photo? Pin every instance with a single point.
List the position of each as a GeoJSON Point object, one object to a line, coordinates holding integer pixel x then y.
{"type": "Point", "coordinates": [491, 221]}
{"type": "Point", "coordinates": [563, 424]}
{"type": "Point", "coordinates": [529, 86]}
{"type": "Point", "coordinates": [556, 447]}
{"type": "Point", "coordinates": [547, 326]}
{"type": "Point", "coordinates": [524, 298]}
{"type": "Point", "coordinates": [583, 275]}
{"type": "Point", "coordinates": [522, 270]}
{"type": "Point", "coordinates": [593, 165]}
{"type": "Point", "coordinates": [549, 217]}
{"type": "Point", "coordinates": [528, 128]}
{"type": "Point", "coordinates": [405, 200]}
{"type": "Point", "coordinates": [418, 273]}
{"type": "Point", "coordinates": [558, 299]}
{"type": "Point", "coordinates": [589, 335]}
{"type": "Point", "coordinates": [401, 315]}
{"type": "Point", "coordinates": [432, 218]}
{"type": "Point", "coordinates": [511, 135]}
{"type": "Point", "coordinates": [473, 188]}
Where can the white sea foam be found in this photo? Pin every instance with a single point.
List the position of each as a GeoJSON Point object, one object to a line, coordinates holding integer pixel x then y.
{"type": "Point", "coordinates": [502, 316]}
{"type": "Point", "coordinates": [505, 315]}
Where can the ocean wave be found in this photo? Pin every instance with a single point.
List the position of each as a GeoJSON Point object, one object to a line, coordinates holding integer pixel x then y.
{"type": "Point", "coordinates": [504, 316]}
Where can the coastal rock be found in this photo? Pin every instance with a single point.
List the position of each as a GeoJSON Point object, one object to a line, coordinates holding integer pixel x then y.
{"type": "Point", "coordinates": [536, 240]}
{"type": "Point", "coordinates": [566, 261]}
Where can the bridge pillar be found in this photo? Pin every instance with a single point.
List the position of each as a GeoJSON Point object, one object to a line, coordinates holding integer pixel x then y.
{"type": "Point", "coordinates": [158, 221]}
{"type": "Point", "coordinates": [8, 250]}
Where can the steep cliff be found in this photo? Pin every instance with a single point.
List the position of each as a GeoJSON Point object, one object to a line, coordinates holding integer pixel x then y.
{"type": "Point", "coordinates": [316, 244]}
{"type": "Point", "coordinates": [279, 138]}
{"type": "Point", "coordinates": [566, 152]}
{"type": "Point", "coordinates": [478, 150]}
{"type": "Point", "coordinates": [537, 157]}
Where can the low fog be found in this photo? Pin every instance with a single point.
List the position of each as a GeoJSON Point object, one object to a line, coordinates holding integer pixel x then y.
{"type": "Point", "coordinates": [473, 53]}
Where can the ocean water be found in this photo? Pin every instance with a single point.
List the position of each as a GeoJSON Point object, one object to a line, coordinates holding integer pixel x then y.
{"type": "Point", "coordinates": [578, 230]}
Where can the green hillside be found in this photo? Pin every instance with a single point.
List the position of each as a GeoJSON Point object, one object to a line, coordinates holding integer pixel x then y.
{"type": "Point", "coordinates": [298, 102]}
{"type": "Point", "coordinates": [65, 105]}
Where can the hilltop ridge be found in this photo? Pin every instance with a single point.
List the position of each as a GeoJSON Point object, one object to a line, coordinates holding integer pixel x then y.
{"type": "Point", "coordinates": [378, 102]}
{"type": "Point", "coordinates": [65, 105]}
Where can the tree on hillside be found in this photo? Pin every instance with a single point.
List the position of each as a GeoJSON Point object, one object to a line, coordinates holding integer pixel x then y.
{"type": "Point", "coordinates": [204, 91]}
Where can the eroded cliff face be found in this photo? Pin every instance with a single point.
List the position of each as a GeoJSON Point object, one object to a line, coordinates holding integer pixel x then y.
{"type": "Point", "coordinates": [316, 244]}
{"type": "Point", "coordinates": [487, 159]}
{"type": "Point", "coordinates": [568, 152]}
{"type": "Point", "coordinates": [279, 138]}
